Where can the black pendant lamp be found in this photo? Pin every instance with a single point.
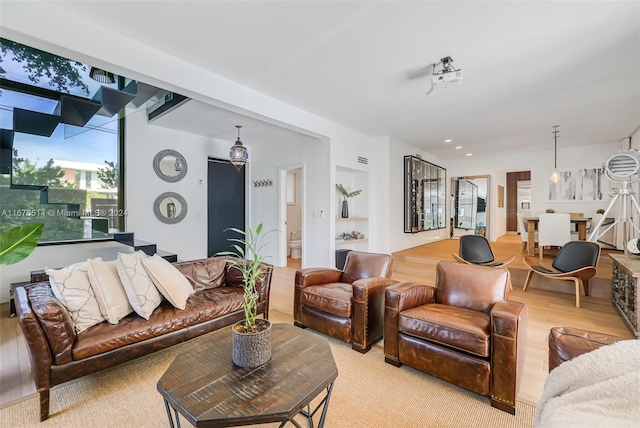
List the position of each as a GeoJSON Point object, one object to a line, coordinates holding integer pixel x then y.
{"type": "Point", "coordinates": [101, 76]}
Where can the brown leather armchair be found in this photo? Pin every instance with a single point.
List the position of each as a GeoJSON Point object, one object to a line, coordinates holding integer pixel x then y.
{"type": "Point", "coordinates": [349, 304]}
{"type": "Point", "coordinates": [566, 343]}
{"type": "Point", "coordinates": [463, 330]}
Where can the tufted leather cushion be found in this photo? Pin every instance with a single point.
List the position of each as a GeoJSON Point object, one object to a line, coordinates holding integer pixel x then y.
{"type": "Point", "coordinates": [55, 321]}
{"type": "Point", "coordinates": [458, 328]}
{"type": "Point", "coordinates": [205, 273]}
{"type": "Point", "coordinates": [366, 265]}
{"type": "Point", "coordinates": [333, 298]}
{"type": "Point", "coordinates": [200, 307]}
{"type": "Point", "coordinates": [456, 285]}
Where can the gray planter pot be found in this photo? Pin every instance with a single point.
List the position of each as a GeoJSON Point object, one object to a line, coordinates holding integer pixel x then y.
{"type": "Point", "coordinates": [252, 349]}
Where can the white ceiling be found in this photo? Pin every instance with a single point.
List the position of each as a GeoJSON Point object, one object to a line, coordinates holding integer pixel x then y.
{"type": "Point", "coordinates": [527, 65]}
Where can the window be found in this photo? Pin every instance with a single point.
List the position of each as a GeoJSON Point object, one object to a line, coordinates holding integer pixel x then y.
{"type": "Point", "coordinates": [77, 164]}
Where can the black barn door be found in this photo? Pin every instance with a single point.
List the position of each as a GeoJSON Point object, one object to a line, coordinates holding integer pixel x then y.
{"type": "Point", "coordinates": [226, 197]}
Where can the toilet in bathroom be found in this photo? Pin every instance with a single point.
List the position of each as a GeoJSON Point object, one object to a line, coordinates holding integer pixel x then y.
{"type": "Point", "coordinates": [296, 248]}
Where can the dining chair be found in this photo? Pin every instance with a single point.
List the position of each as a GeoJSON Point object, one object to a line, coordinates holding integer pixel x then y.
{"type": "Point", "coordinates": [574, 227]}
{"type": "Point", "coordinates": [524, 233]}
{"type": "Point", "coordinates": [576, 261]}
{"type": "Point", "coordinates": [554, 230]}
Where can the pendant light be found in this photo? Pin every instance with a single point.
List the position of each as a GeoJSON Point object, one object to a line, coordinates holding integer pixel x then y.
{"type": "Point", "coordinates": [238, 154]}
{"type": "Point", "coordinates": [555, 176]}
{"type": "Point", "coordinates": [101, 76]}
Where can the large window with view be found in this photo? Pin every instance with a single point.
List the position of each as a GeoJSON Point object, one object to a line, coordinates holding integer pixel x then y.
{"type": "Point", "coordinates": [60, 145]}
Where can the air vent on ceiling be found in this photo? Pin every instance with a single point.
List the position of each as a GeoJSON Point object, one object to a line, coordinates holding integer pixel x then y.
{"type": "Point", "coordinates": [363, 160]}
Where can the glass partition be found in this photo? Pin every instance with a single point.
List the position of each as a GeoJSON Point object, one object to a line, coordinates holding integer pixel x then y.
{"type": "Point", "coordinates": [424, 200]}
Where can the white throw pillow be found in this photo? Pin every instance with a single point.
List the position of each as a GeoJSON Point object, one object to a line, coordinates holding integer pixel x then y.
{"type": "Point", "coordinates": [168, 280]}
{"type": "Point", "coordinates": [142, 294]}
{"type": "Point", "coordinates": [71, 286]}
{"type": "Point", "coordinates": [112, 299]}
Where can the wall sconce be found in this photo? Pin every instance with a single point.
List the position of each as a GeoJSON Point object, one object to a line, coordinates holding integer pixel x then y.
{"type": "Point", "coordinates": [263, 183]}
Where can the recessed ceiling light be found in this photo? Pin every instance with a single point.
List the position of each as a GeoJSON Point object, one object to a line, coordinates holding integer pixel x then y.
{"type": "Point", "coordinates": [447, 141]}
{"type": "Point", "coordinates": [469, 154]}
{"type": "Point", "coordinates": [458, 147]}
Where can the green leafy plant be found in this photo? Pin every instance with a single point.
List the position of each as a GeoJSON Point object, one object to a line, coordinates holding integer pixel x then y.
{"type": "Point", "coordinates": [17, 243]}
{"type": "Point", "coordinates": [249, 247]}
{"type": "Point", "coordinates": [550, 210]}
{"type": "Point", "coordinates": [600, 211]}
{"type": "Point", "coordinates": [346, 194]}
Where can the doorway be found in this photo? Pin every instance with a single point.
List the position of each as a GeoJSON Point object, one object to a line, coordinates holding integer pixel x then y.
{"type": "Point", "coordinates": [470, 210]}
{"type": "Point", "coordinates": [225, 204]}
{"type": "Point", "coordinates": [513, 201]}
{"type": "Point", "coordinates": [291, 196]}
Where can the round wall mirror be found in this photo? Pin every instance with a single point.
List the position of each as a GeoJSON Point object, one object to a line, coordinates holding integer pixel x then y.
{"type": "Point", "coordinates": [170, 208]}
{"type": "Point", "coordinates": [170, 165]}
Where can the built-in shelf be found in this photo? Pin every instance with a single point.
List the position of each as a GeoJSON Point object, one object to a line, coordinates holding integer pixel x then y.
{"type": "Point", "coordinates": [351, 241]}
{"type": "Point", "coordinates": [352, 219]}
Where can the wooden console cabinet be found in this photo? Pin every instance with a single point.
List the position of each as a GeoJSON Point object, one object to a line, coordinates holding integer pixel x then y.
{"type": "Point", "coordinates": [624, 288]}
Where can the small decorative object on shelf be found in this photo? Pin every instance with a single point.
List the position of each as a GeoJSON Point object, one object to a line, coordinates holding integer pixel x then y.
{"type": "Point", "coordinates": [550, 210]}
{"type": "Point", "coordinates": [346, 195]}
{"type": "Point", "coordinates": [600, 211]}
{"type": "Point", "coordinates": [348, 236]}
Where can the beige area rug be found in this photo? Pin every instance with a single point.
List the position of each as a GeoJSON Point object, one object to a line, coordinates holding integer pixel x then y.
{"type": "Point", "coordinates": [368, 393]}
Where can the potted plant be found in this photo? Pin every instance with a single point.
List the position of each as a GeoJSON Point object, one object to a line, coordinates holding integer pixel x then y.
{"type": "Point", "coordinates": [600, 211]}
{"type": "Point", "coordinates": [550, 210]}
{"type": "Point", "coordinates": [251, 336]}
{"type": "Point", "coordinates": [346, 195]}
{"type": "Point", "coordinates": [17, 243]}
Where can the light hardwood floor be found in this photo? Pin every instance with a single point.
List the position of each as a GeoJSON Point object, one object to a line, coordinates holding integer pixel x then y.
{"type": "Point", "coordinates": [546, 309]}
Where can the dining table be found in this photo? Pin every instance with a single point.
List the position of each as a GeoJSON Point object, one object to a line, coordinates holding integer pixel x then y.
{"type": "Point", "coordinates": [532, 226]}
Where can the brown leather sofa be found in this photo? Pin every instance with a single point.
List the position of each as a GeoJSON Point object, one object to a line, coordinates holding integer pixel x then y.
{"type": "Point", "coordinates": [463, 330]}
{"type": "Point", "coordinates": [347, 305]}
{"type": "Point", "coordinates": [59, 355]}
{"type": "Point", "coordinates": [566, 343]}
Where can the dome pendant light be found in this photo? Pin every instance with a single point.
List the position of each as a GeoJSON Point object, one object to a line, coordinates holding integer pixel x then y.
{"type": "Point", "coordinates": [238, 154]}
{"type": "Point", "coordinates": [555, 176]}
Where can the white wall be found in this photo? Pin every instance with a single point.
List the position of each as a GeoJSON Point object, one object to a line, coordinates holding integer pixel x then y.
{"type": "Point", "coordinates": [264, 201]}
{"type": "Point", "coordinates": [398, 240]}
{"type": "Point", "coordinates": [56, 256]}
{"type": "Point", "coordinates": [188, 238]}
{"type": "Point", "coordinates": [540, 163]}
{"type": "Point", "coordinates": [379, 207]}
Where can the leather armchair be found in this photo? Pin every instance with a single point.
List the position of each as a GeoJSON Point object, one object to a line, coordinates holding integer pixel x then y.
{"type": "Point", "coordinates": [566, 343]}
{"type": "Point", "coordinates": [347, 305]}
{"type": "Point", "coordinates": [463, 330]}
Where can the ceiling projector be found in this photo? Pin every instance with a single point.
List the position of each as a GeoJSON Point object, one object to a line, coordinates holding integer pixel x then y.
{"type": "Point", "coordinates": [447, 76]}
{"type": "Point", "coordinates": [445, 79]}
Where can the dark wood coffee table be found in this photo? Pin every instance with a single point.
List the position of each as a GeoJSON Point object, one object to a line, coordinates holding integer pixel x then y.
{"type": "Point", "coordinates": [203, 385]}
